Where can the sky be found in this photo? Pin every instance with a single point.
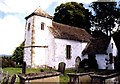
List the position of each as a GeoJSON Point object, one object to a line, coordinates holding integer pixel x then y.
{"type": "Point", "coordinates": [12, 19]}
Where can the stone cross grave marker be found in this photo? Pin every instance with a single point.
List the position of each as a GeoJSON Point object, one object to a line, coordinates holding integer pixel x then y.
{"type": "Point", "coordinates": [24, 68]}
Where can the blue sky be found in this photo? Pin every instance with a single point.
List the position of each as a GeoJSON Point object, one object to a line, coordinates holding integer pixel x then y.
{"type": "Point", "coordinates": [12, 22]}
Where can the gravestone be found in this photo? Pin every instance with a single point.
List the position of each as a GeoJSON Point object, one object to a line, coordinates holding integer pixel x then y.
{"type": "Point", "coordinates": [24, 68]}
{"type": "Point", "coordinates": [77, 62]}
{"type": "Point", "coordinates": [0, 62]}
{"type": "Point", "coordinates": [61, 67]}
{"type": "Point", "coordinates": [13, 79]}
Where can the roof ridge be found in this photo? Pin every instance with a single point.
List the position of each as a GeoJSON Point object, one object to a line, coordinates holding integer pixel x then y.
{"type": "Point", "coordinates": [40, 12]}
{"type": "Point", "coordinates": [39, 9]}
{"type": "Point", "coordinates": [64, 31]}
{"type": "Point", "coordinates": [68, 25]}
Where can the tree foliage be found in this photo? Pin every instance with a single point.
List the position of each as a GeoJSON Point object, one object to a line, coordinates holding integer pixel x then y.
{"type": "Point", "coordinates": [106, 15]}
{"type": "Point", "coordinates": [18, 54]}
{"type": "Point", "coordinates": [7, 62]}
{"type": "Point", "coordinates": [74, 14]}
{"type": "Point", "coordinates": [116, 37]}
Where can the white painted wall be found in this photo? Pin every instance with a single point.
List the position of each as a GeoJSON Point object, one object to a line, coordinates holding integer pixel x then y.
{"type": "Point", "coordinates": [101, 61]}
{"type": "Point", "coordinates": [84, 44]}
{"type": "Point", "coordinates": [56, 50]}
{"type": "Point", "coordinates": [113, 50]}
{"type": "Point", "coordinates": [28, 35]}
{"type": "Point", "coordinates": [84, 57]}
{"type": "Point", "coordinates": [41, 39]}
{"type": "Point", "coordinates": [27, 56]}
{"type": "Point", "coordinates": [39, 56]}
{"type": "Point", "coordinates": [101, 57]}
{"type": "Point", "coordinates": [41, 35]}
{"type": "Point", "coordinates": [60, 52]}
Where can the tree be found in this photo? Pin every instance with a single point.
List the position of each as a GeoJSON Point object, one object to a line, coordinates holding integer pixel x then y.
{"type": "Point", "coordinates": [116, 37]}
{"type": "Point", "coordinates": [106, 15]}
{"type": "Point", "coordinates": [18, 54]}
{"type": "Point", "coordinates": [97, 33]}
{"type": "Point", "coordinates": [7, 62]}
{"type": "Point", "coordinates": [74, 14]}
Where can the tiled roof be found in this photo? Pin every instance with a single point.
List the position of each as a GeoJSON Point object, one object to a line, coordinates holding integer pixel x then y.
{"type": "Point", "coordinates": [39, 12]}
{"type": "Point", "coordinates": [97, 46]}
{"type": "Point", "coordinates": [63, 31]}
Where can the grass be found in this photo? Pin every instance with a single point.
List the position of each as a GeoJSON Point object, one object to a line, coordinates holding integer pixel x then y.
{"type": "Point", "coordinates": [12, 71]}
{"type": "Point", "coordinates": [63, 78]}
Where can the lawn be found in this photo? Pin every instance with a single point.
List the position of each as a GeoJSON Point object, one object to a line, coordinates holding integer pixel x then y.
{"type": "Point", "coordinates": [63, 78]}
{"type": "Point", "coordinates": [12, 71]}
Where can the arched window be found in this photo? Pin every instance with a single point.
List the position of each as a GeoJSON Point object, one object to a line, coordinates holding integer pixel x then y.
{"type": "Point", "coordinates": [77, 61]}
{"type": "Point", "coordinates": [112, 45]}
{"type": "Point", "coordinates": [29, 26]}
{"type": "Point", "coordinates": [111, 58]}
{"type": "Point", "coordinates": [68, 51]}
{"type": "Point", "coordinates": [42, 25]}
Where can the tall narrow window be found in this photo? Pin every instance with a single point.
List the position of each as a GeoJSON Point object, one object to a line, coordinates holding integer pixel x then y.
{"type": "Point", "coordinates": [42, 26]}
{"type": "Point", "coordinates": [112, 45]}
{"type": "Point", "coordinates": [28, 26]}
{"type": "Point", "coordinates": [68, 51]}
{"type": "Point", "coordinates": [111, 58]}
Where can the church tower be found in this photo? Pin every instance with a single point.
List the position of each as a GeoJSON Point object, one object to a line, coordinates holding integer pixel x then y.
{"type": "Point", "coordinates": [36, 32]}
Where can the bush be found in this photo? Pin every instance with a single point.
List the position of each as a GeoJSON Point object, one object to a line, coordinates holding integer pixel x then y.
{"type": "Point", "coordinates": [83, 63]}
{"type": "Point", "coordinates": [18, 66]}
{"type": "Point", "coordinates": [89, 64]}
{"type": "Point", "coordinates": [7, 62]}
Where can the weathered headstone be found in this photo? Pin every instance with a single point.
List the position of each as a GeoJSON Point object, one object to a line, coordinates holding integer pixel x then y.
{"type": "Point", "coordinates": [77, 62]}
{"type": "Point", "coordinates": [0, 62]}
{"type": "Point", "coordinates": [24, 68]}
{"type": "Point", "coordinates": [61, 67]}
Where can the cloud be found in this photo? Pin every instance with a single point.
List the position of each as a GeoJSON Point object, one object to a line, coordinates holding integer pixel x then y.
{"type": "Point", "coordinates": [55, 3]}
{"type": "Point", "coordinates": [23, 6]}
{"type": "Point", "coordinates": [27, 6]}
{"type": "Point", "coordinates": [12, 26]}
{"type": "Point", "coordinates": [11, 34]}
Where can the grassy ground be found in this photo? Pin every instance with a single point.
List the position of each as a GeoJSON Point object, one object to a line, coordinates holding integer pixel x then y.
{"type": "Point", "coordinates": [63, 78]}
{"type": "Point", "coordinates": [12, 71]}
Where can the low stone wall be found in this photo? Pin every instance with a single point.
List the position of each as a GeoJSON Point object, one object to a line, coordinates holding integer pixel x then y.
{"type": "Point", "coordinates": [92, 78]}
{"type": "Point", "coordinates": [86, 79]}
{"type": "Point", "coordinates": [114, 80]}
{"type": "Point", "coordinates": [40, 78]}
{"type": "Point", "coordinates": [80, 78]}
{"type": "Point", "coordinates": [48, 80]}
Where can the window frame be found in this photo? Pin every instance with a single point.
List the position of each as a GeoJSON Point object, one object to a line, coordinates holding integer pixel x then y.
{"type": "Point", "coordinates": [68, 51]}
{"type": "Point", "coordinates": [111, 58]}
{"type": "Point", "coordinates": [29, 24]}
{"type": "Point", "coordinates": [42, 25]}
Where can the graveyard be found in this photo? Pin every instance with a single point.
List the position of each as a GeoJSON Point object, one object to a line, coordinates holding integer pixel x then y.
{"type": "Point", "coordinates": [75, 75]}
{"type": "Point", "coordinates": [80, 52]}
{"type": "Point", "coordinates": [69, 76]}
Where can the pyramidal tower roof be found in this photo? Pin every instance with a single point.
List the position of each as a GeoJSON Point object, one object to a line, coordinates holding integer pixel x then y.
{"type": "Point", "coordinates": [39, 12]}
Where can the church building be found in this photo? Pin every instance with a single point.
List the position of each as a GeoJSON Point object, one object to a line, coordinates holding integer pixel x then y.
{"type": "Point", "coordinates": [48, 43]}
